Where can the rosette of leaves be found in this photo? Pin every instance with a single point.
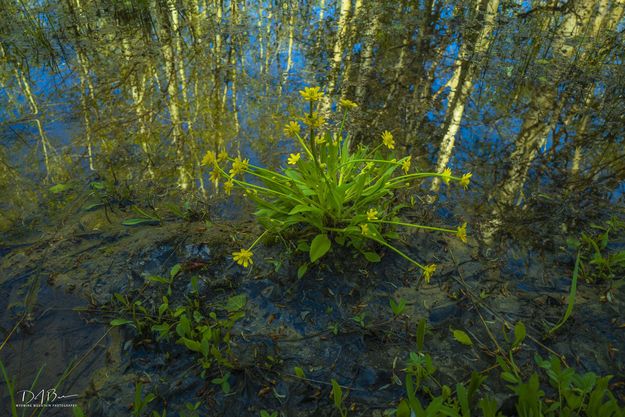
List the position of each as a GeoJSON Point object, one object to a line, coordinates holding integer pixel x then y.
{"type": "Point", "coordinates": [333, 192]}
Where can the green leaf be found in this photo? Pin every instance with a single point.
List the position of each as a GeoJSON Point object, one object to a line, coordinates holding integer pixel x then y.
{"type": "Point", "coordinates": [299, 372]}
{"type": "Point", "coordinates": [192, 345]}
{"type": "Point", "coordinates": [397, 307]}
{"type": "Point", "coordinates": [372, 256]}
{"type": "Point", "coordinates": [462, 337]}
{"type": "Point", "coordinates": [337, 393]}
{"type": "Point", "coordinates": [139, 220]}
{"type": "Point", "coordinates": [97, 185]}
{"type": "Point", "coordinates": [175, 270]}
{"type": "Point", "coordinates": [120, 322]}
{"type": "Point", "coordinates": [92, 206]}
{"type": "Point", "coordinates": [77, 412]}
{"type": "Point", "coordinates": [302, 209]}
{"type": "Point", "coordinates": [302, 270]}
{"type": "Point", "coordinates": [319, 246]}
{"type": "Point", "coordinates": [509, 377]}
{"type": "Point", "coordinates": [59, 188]}
{"type": "Point", "coordinates": [519, 333]}
{"type": "Point", "coordinates": [236, 303]}
{"type": "Point", "coordinates": [154, 278]}
{"type": "Point", "coordinates": [403, 409]}
{"type": "Point", "coordinates": [183, 327]}
{"type": "Point", "coordinates": [572, 293]}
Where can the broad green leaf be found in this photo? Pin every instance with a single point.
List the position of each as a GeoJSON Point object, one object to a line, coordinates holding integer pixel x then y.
{"type": "Point", "coordinates": [372, 256]}
{"type": "Point", "coordinates": [174, 270]}
{"type": "Point", "coordinates": [154, 278]}
{"type": "Point", "coordinates": [301, 209]}
{"type": "Point", "coordinates": [299, 372]}
{"type": "Point", "coordinates": [519, 333]}
{"type": "Point", "coordinates": [236, 303]}
{"type": "Point", "coordinates": [403, 409]}
{"type": "Point", "coordinates": [462, 337]}
{"type": "Point", "coordinates": [319, 246]}
{"type": "Point", "coordinates": [120, 322]}
{"type": "Point", "coordinates": [192, 345]}
{"type": "Point", "coordinates": [183, 327]}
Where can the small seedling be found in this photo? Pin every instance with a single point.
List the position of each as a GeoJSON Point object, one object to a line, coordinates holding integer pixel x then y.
{"type": "Point", "coordinates": [223, 382]}
{"type": "Point", "coordinates": [398, 306]}
{"type": "Point", "coordinates": [360, 319]}
{"type": "Point", "coordinates": [339, 400]}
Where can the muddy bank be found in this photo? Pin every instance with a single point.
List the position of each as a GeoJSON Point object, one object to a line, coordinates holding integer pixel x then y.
{"type": "Point", "coordinates": [335, 323]}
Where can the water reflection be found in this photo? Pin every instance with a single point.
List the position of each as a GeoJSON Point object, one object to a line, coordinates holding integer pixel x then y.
{"type": "Point", "coordinates": [139, 91]}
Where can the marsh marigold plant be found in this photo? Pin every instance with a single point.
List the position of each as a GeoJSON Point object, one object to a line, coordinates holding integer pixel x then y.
{"type": "Point", "coordinates": [331, 191]}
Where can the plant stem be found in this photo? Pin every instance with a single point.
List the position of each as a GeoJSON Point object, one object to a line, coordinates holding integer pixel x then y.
{"type": "Point", "coordinates": [417, 226]}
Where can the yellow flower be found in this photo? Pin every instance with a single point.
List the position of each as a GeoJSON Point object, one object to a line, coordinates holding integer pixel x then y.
{"type": "Point", "coordinates": [405, 165]}
{"type": "Point", "coordinates": [387, 139]}
{"type": "Point", "coordinates": [347, 104]}
{"type": "Point", "coordinates": [292, 128]}
{"type": "Point", "coordinates": [209, 158]}
{"type": "Point", "coordinates": [314, 120]}
{"type": "Point", "coordinates": [294, 158]}
{"type": "Point", "coordinates": [464, 181]}
{"type": "Point", "coordinates": [372, 214]}
{"type": "Point", "coordinates": [223, 156]}
{"type": "Point", "coordinates": [312, 93]}
{"type": "Point", "coordinates": [364, 228]}
{"type": "Point", "coordinates": [239, 166]}
{"type": "Point", "coordinates": [446, 175]}
{"type": "Point", "coordinates": [244, 257]}
{"type": "Point", "coordinates": [214, 177]}
{"type": "Point", "coordinates": [462, 232]}
{"type": "Point", "coordinates": [320, 140]}
{"type": "Point", "coordinates": [228, 186]}
{"type": "Point", "coordinates": [428, 271]}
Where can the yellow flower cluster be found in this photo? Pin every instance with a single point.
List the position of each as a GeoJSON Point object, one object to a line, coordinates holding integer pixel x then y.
{"type": "Point", "coordinates": [243, 257]}
{"type": "Point", "coordinates": [347, 104]}
{"type": "Point", "coordinates": [314, 121]}
{"type": "Point", "coordinates": [446, 175]}
{"type": "Point", "coordinates": [465, 180]}
{"type": "Point", "coordinates": [405, 165]}
{"type": "Point", "coordinates": [228, 186]}
{"type": "Point", "coordinates": [462, 232]}
{"type": "Point", "coordinates": [387, 139]}
{"type": "Point", "coordinates": [428, 271]}
{"type": "Point", "coordinates": [294, 158]}
{"type": "Point", "coordinates": [372, 214]}
{"type": "Point", "coordinates": [312, 94]}
{"type": "Point", "coordinates": [210, 158]}
{"type": "Point", "coordinates": [239, 166]}
{"type": "Point", "coordinates": [214, 177]}
{"type": "Point", "coordinates": [292, 129]}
